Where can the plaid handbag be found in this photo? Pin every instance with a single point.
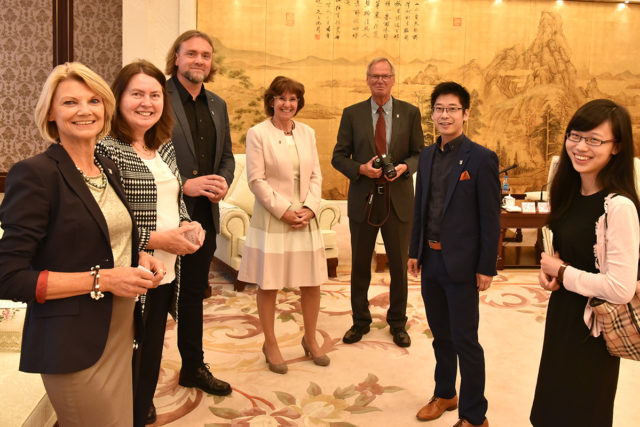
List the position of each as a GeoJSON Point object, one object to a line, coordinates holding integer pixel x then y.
{"type": "Point", "coordinates": [620, 323]}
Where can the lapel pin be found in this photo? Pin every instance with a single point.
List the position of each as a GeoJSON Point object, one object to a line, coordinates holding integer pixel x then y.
{"type": "Point", "coordinates": [460, 162]}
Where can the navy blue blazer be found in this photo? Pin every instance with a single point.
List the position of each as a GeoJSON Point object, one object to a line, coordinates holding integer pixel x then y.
{"type": "Point", "coordinates": [51, 221]}
{"type": "Point", "coordinates": [470, 227]}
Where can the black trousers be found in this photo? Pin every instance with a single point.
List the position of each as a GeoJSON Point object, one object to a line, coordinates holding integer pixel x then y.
{"type": "Point", "coordinates": [395, 234]}
{"type": "Point", "coordinates": [147, 358]}
{"type": "Point", "coordinates": [194, 279]}
{"type": "Point", "coordinates": [453, 316]}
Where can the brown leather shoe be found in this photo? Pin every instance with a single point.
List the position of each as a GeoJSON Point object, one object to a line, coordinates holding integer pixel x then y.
{"type": "Point", "coordinates": [436, 407]}
{"type": "Point", "coordinates": [464, 423]}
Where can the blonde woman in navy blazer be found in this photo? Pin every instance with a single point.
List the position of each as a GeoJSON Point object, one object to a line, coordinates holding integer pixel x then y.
{"type": "Point", "coordinates": [284, 246]}
{"type": "Point", "coordinates": [65, 213]}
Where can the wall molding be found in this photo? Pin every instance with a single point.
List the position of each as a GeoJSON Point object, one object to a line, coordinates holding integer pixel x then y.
{"type": "Point", "coordinates": [62, 31]}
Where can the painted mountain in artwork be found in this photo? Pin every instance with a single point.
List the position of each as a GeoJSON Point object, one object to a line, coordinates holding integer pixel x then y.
{"type": "Point", "coordinates": [545, 62]}
{"type": "Point", "coordinates": [528, 94]}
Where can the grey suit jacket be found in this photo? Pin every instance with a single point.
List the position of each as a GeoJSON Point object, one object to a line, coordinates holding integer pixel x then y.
{"type": "Point", "coordinates": [356, 146]}
{"type": "Point", "coordinates": [223, 163]}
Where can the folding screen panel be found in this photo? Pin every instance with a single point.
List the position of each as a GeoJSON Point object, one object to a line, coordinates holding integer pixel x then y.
{"type": "Point", "coordinates": [528, 64]}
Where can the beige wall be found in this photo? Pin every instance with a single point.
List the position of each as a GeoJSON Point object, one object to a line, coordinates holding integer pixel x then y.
{"type": "Point", "coordinates": [149, 27]}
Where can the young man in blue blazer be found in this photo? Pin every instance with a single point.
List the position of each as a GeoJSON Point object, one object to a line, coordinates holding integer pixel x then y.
{"type": "Point", "coordinates": [454, 244]}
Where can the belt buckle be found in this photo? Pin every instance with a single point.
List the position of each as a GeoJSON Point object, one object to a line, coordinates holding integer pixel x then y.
{"type": "Point", "coordinates": [380, 189]}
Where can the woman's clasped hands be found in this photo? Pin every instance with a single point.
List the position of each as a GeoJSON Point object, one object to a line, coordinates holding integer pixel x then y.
{"type": "Point", "coordinates": [299, 218]}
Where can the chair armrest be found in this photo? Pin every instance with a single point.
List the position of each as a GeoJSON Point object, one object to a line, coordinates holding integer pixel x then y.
{"type": "Point", "coordinates": [328, 215]}
{"type": "Point", "coordinates": [234, 222]}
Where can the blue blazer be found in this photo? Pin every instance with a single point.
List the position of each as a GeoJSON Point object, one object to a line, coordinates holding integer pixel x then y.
{"type": "Point", "coordinates": [470, 227]}
{"type": "Point", "coordinates": [51, 221]}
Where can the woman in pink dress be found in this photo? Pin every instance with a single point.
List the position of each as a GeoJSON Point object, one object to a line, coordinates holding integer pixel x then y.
{"type": "Point", "coordinates": [284, 246]}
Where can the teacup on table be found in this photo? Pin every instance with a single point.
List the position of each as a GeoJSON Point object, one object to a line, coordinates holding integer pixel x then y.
{"type": "Point", "coordinates": [508, 202]}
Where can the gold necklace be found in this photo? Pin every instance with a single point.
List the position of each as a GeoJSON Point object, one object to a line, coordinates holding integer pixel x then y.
{"type": "Point", "coordinates": [143, 145]}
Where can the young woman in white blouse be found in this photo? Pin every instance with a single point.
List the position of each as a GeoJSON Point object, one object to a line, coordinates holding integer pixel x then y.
{"type": "Point", "coordinates": [139, 143]}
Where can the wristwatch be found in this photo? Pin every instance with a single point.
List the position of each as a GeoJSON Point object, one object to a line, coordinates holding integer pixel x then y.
{"type": "Point", "coordinates": [560, 276]}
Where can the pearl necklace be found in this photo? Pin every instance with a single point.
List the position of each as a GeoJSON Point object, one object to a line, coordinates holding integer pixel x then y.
{"type": "Point", "coordinates": [90, 180]}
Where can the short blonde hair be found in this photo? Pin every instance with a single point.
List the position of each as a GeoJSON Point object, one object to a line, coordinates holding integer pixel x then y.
{"type": "Point", "coordinates": [83, 74]}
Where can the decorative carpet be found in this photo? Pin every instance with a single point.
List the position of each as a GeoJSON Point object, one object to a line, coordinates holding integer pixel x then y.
{"type": "Point", "coordinates": [369, 383]}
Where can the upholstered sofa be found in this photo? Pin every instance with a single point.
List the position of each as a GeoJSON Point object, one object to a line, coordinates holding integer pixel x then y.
{"type": "Point", "coordinates": [236, 210]}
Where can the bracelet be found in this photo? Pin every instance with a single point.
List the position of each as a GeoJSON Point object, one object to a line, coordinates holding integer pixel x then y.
{"type": "Point", "coordinates": [95, 293]}
{"type": "Point", "coordinates": [560, 276]}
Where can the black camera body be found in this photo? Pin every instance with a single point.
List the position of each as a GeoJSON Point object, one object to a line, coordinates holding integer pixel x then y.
{"type": "Point", "coordinates": [385, 163]}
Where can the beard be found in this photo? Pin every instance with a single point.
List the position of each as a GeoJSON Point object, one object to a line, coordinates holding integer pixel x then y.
{"type": "Point", "coordinates": [195, 77]}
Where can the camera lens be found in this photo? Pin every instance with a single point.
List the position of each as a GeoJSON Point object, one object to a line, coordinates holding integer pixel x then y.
{"type": "Point", "coordinates": [387, 166]}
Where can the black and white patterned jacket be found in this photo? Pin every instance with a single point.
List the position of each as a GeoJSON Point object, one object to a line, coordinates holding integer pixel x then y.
{"type": "Point", "coordinates": [140, 187]}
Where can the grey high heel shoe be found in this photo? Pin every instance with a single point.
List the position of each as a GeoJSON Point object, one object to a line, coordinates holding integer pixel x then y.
{"type": "Point", "coordinates": [278, 368]}
{"type": "Point", "coordinates": [318, 360]}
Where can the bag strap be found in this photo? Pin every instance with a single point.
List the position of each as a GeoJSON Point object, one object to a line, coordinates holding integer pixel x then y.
{"type": "Point", "coordinates": [593, 301]}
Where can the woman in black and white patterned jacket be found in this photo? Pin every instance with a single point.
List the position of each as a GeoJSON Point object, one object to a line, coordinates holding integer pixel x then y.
{"type": "Point", "coordinates": [139, 143]}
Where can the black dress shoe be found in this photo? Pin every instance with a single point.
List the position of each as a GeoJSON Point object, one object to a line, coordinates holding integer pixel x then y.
{"type": "Point", "coordinates": [355, 333]}
{"type": "Point", "coordinates": [151, 415]}
{"type": "Point", "coordinates": [202, 379]}
{"type": "Point", "coordinates": [401, 337]}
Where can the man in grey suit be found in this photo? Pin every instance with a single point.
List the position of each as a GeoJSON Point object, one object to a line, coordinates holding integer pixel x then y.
{"type": "Point", "coordinates": [381, 125]}
{"type": "Point", "coordinates": [203, 152]}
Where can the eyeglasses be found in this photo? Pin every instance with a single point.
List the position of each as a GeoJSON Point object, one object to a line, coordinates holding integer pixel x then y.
{"type": "Point", "coordinates": [383, 77]}
{"type": "Point", "coordinates": [450, 110]}
{"type": "Point", "coordinates": [292, 99]}
{"type": "Point", "coordinates": [595, 142]}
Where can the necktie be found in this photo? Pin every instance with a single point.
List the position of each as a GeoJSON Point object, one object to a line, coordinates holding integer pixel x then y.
{"type": "Point", "coordinates": [381, 134]}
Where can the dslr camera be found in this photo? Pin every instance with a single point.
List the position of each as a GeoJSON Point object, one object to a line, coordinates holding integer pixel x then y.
{"type": "Point", "coordinates": [385, 163]}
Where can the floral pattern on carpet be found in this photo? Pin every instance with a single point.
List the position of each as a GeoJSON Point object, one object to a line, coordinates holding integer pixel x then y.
{"type": "Point", "coordinates": [370, 383]}
{"type": "Point", "coordinates": [314, 408]}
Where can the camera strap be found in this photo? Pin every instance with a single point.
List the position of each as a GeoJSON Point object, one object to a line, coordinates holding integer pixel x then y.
{"type": "Point", "coordinates": [372, 194]}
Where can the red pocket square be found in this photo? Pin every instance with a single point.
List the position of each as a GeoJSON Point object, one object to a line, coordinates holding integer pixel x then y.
{"type": "Point", "coordinates": [464, 176]}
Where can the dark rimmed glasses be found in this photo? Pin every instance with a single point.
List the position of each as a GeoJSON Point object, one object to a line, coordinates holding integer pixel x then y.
{"type": "Point", "coordinates": [449, 110]}
{"type": "Point", "coordinates": [589, 140]}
